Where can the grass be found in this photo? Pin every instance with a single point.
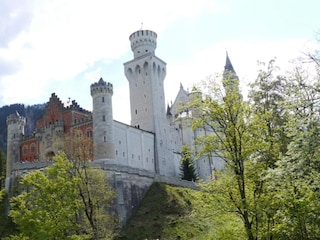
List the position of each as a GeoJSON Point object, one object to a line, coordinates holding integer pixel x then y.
{"type": "Point", "coordinates": [176, 213]}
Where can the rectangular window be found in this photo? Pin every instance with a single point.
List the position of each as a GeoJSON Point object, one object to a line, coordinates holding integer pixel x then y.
{"type": "Point", "coordinates": [102, 99]}
{"type": "Point", "coordinates": [104, 118]}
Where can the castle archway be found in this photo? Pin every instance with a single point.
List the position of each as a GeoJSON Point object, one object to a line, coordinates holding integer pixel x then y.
{"type": "Point", "coordinates": [50, 155]}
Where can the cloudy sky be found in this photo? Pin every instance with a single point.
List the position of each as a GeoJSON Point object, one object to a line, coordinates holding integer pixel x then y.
{"type": "Point", "coordinates": [63, 46]}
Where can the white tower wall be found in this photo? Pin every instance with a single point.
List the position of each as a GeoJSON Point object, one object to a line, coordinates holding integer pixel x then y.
{"type": "Point", "coordinates": [146, 74]}
{"type": "Point", "coordinates": [15, 124]}
{"type": "Point", "coordinates": [102, 117]}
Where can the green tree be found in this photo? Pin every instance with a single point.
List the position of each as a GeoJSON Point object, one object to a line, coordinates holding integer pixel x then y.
{"type": "Point", "coordinates": [49, 204]}
{"type": "Point", "coordinates": [240, 137]}
{"type": "Point", "coordinates": [2, 169]}
{"type": "Point", "coordinates": [187, 169]}
{"type": "Point", "coordinates": [94, 190]}
{"type": "Point", "coordinates": [295, 182]}
{"type": "Point", "coordinates": [68, 200]}
{"type": "Point", "coordinates": [267, 97]}
{"type": "Point", "coordinates": [225, 121]}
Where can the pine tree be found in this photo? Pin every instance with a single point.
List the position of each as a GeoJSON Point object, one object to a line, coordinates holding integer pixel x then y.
{"type": "Point", "coordinates": [187, 169]}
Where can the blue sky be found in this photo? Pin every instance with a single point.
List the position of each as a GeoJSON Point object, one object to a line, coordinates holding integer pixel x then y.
{"type": "Point", "coordinates": [63, 46]}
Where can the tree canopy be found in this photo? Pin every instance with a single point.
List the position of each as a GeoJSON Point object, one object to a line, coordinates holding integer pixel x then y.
{"type": "Point", "coordinates": [270, 144]}
{"type": "Point", "coordinates": [65, 201]}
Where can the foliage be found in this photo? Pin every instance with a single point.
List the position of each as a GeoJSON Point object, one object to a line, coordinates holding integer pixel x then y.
{"type": "Point", "coordinates": [7, 227]}
{"type": "Point", "coordinates": [95, 194]}
{"type": "Point", "coordinates": [187, 169]}
{"type": "Point", "coordinates": [235, 138]}
{"type": "Point", "coordinates": [170, 212]}
{"type": "Point", "coordinates": [66, 201]}
{"type": "Point", "coordinates": [94, 191]}
{"type": "Point", "coordinates": [2, 169]}
{"type": "Point", "coordinates": [270, 145]}
{"type": "Point", "coordinates": [47, 207]}
{"type": "Point", "coordinates": [295, 181]}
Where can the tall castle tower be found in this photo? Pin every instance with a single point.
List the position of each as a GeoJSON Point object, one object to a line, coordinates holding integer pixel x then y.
{"type": "Point", "coordinates": [230, 78]}
{"type": "Point", "coordinates": [102, 117]}
{"type": "Point", "coordinates": [15, 124]}
{"type": "Point", "coordinates": [146, 73]}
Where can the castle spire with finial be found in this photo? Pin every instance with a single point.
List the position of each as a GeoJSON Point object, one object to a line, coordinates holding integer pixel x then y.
{"type": "Point", "coordinates": [228, 66]}
{"type": "Point", "coordinates": [230, 78]}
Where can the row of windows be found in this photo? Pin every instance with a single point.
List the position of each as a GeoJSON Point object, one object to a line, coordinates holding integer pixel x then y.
{"type": "Point", "coordinates": [32, 149]}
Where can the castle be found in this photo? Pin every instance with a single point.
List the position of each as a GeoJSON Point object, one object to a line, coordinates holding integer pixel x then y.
{"type": "Point", "coordinates": [133, 155]}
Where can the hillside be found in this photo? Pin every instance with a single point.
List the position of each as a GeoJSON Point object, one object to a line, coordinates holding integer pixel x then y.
{"type": "Point", "coordinates": [32, 113]}
{"type": "Point", "coordinates": [171, 213]}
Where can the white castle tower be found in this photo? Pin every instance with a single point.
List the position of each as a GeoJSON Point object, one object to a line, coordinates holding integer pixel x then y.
{"type": "Point", "coordinates": [15, 124]}
{"type": "Point", "coordinates": [102, 117]}
{"type": "Point", "coordinates": [146, 74]}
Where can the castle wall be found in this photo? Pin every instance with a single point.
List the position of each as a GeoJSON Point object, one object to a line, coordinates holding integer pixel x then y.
{"type": "Point", "coordinates": [131, 185]}
{"type": "Point", "coordinates": [134, 147]}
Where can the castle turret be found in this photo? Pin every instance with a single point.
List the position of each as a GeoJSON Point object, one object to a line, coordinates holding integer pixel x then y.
{"type": "Point", "coordinates": [15, 124]}
{"type": "Point", "coordinates": [143, 42]}
{"type": "Point", "coordinates": [102, 117]}
{"type": "Point", "coordinates": [146, 74]}
{"type": "Point", "coordinates": [230, 78]}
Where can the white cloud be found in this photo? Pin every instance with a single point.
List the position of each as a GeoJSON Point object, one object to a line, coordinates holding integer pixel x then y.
{"type": "Point", "coordinates": [244, 55]}
{"type": "Point", "coordinates": [58, 50]}
{"type": "Point", "coordinates": [65, 38]}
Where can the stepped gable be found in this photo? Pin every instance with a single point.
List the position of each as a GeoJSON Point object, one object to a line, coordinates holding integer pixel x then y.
{"type": "Point", "coordinates": [54, 100]}
{"type": "Point", "coordinates": [76, 107]}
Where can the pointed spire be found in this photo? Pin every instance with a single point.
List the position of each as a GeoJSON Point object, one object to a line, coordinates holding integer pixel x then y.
{"type": "Point", "coordinates": [169, 111]}
{"type": "Point", "coordinates": [228, 66]}
{"type": "Point", "coordinates": [101, 81]}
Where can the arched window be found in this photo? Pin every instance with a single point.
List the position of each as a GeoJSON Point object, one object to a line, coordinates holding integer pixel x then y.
{"type": "Point", "coordinates": [25, 150]}
{"type": "Point", "coordinates": [89, 132]}
{"type": "Point", "coordinates": [33, 148]}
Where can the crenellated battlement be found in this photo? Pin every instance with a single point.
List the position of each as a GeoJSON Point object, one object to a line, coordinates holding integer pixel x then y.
{"type": "Point", "coordinates": [143, 42]}
{"type": "Point", "coordinates": [16, 118]}
{"type": "Point", "coordinates": [101, 87]}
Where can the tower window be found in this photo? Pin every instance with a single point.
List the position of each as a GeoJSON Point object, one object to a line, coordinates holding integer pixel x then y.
{"type": "Point", "coordinates": [25, 150]}
{"type": "Point", "coordinates": [33, 148]}
{"type": "Point", "coordinates": [136, 111]}
{"type": "Point", "coordinates": [104, 138]}
{"type": "Point", "coordinates": [102, 99]}
{"type": "Point", "coordinates": [104, 118]}
{"type": "Point", "coordinates": [89, 133]}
